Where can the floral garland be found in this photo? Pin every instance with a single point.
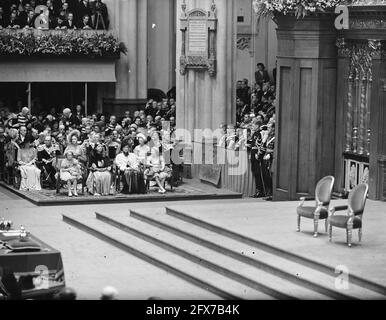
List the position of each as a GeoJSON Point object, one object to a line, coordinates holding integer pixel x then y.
{"type": "Point", "coordinates": [60, 44]}
{"type": "Point", "coordinates": [301, 8]}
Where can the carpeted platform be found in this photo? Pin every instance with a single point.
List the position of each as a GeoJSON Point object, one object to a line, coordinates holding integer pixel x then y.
{"type": "Point", "coordinates": [189, 190]}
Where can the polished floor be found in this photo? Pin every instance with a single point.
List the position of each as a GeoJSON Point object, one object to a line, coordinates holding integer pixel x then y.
{"type": "Point", "coordinates": [91, 263]}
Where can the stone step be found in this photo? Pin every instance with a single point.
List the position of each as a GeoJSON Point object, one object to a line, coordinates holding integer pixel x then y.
{"type": "Point", "coordinates": [271, 262]}
{"type": "Point", "coordinates": [201, 277]}
{"type": "Point", "coordinates": [375, 290]}
{"type": "Point", "coordinates": [234, 269]}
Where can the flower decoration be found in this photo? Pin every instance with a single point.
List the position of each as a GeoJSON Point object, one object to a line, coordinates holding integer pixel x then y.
{"type": "Point", "coordinates": [60, 44]}
{"type": "Point", "coordinates": [300, 8]}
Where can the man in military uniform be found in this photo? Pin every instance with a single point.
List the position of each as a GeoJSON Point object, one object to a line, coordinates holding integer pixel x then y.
{"type": "Point", "coordinates": [269, 142]}
{"type": "Point", "coordinates": [257, 154]}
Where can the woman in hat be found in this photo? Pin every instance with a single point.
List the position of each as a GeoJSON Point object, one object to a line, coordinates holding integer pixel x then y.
{"type": "Point", "coordinates": [74, 147]}
{"type": "Point", "coordinates": [99, 179]}
{"type": "Point", "coordinates": [142, 150]}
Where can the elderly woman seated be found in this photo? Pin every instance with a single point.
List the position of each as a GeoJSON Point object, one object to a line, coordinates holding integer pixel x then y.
{"type": "Point", "coordinates": [30, 174]}
{"type": "Point", "coordinates": [99, 179]}
{"type": "Point", "coordinates": [129, 166]}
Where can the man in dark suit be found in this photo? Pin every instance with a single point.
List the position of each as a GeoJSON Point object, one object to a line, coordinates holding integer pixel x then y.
{"type": "Point", "coordinates": [261, 75]}
{"type": "Point", "coordinates": [30, 21]}
{"type": "Point", "coordinates": [60, 4]}
{"type": "Point", "coordinates": [85, 23]}
{"type": "Point", "coordinates": [13, 22]}
{"type": "Point", "coordinates": [70, 23]}
{"type": "Point", "coordinates": [82, 8]}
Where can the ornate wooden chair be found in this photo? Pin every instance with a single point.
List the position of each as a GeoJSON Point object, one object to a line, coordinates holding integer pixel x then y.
{"type": "Point", "coordinates": [353, 218]}
{"type": "Point", "coordinates": [322, 198]}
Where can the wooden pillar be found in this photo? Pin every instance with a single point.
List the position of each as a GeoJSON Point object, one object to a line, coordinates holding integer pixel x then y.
{"type": "Point", "coordinates": [305, 134]}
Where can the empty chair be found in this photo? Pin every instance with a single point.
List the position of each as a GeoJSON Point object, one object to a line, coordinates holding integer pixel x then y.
{"type": "Point", "coordinates": [322, 198]}
{"type": "Point", "coordinates": [353, 218]}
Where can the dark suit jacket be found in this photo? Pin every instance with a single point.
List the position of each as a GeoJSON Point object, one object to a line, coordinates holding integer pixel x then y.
{"type": "Point", "coordinates": [70, 26]}
{"type": "Point", "coordinates": [81, 25]}
{"type": "Point", "coordinates": [82, 10]}
{"type": "Point", "coordinates": [260, 78]}
{"type": "Point", "coordinates": [29, 23]}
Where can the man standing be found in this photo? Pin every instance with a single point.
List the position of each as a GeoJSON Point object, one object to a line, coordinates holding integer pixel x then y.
{"type": "Point", "coordinates": [261, 75]}
{"type": "Point", "coordinates": [257, 154]}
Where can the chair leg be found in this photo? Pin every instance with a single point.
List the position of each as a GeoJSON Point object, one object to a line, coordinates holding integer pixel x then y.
{"type": "Point", "coordinates": [298, 229]}
{"type": "Point", "coordinates": [349, 237]}
{"type": "Point", "coordinates": [326, 225]}
{"type": "Point", "coordinates": [360, 234]}
{"type": "Point", "coordinates": [316, 224]}
{"type": "Point", "coordinates": [330, 233]}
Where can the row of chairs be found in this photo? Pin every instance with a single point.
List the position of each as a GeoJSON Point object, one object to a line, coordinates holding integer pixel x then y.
{"type": "Point", "coordinates": [322, 211]}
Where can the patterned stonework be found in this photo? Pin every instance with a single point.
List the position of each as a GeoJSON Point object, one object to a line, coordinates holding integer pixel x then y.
{"type": "Point", "coordinates": [243, 42]}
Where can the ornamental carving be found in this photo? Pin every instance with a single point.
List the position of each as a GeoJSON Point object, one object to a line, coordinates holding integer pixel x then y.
{"type": "Point", "coordinates": [361, 55]}
{"type": "Point", "coordinates": [243, 42]}
{"type": "Point", "coordinates": [198, 50]}
{"type": "Point", "coordinates": [366, 24]}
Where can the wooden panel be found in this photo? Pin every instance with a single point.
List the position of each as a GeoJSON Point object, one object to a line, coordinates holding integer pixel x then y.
{"type": "Point", "coordinates": [283, 161]}
{"type": "Point", "coordinates": [328, 94]}
{"type": "Point", "coordinates": [303, 150]}
{"type": "Point", "coordinates": [340, 118]}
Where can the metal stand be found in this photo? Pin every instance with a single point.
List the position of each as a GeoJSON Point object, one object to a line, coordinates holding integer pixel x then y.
{"type": "Point", "coordinates": [99, 18]}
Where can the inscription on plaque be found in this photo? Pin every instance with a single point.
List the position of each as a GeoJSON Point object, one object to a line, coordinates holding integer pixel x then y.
{"type": "Point", "coordinates": [198, 50]}
{"type": "Point", "coordinates": [198, 37]}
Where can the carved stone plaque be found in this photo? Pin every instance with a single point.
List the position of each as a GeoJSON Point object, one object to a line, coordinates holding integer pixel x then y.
{"type": "Point", "coordinates": [198, 49]}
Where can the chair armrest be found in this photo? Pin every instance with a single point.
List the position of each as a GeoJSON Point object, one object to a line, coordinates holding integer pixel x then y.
{"type": "Point", "coordinates": [337, 208]}
{"type": "Point", "coordinates": [307, 198]}
{"type": "Point", "coordinates": [304, 199]}
{"type": "Point", "coordinates": [340, 208]}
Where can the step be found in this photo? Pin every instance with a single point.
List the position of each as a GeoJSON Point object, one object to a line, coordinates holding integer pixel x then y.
{"type": "Point", "coordinates": [248, 275]}
{"type": "Point", "coordinates": [368, 289]}
{"type": "Point", "coordinates": [209, 280]}
{"type": "Point", "coordinates": [299, 274]}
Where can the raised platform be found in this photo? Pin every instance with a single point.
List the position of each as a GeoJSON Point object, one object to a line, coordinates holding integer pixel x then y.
{"type": "Point", "coordinates": [189, 190]}
{"type": "Point", "coordinates": [248, 250]}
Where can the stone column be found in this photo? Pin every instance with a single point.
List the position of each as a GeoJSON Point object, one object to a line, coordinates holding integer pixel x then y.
{"type": "Point", "coordinates": [204, 101]}
{"type": "Point", "coordinates": [129, 22]}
